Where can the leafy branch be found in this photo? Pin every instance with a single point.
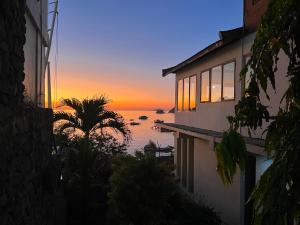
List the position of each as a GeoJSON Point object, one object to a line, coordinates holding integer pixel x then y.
{"type": "Point", "coordinates": [276, 198]}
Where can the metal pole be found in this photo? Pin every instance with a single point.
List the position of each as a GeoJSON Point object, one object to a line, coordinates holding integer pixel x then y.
{"type": "Point", "coordinates": [49, 86]}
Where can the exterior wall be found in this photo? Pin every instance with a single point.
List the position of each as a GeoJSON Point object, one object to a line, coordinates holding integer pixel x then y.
{"type": "Point", "coordinates": [275, 102]}
{"type": "Point", "coordinates": [213, 116]}
{"type": "Point", "coordinates": [34, 50]}
{"type": "Point", "coordinates": [208, 187]}
{"type": "Point", "coordinates": [254, 9]}
{"type": "Point", "coordinates": [29, 175]}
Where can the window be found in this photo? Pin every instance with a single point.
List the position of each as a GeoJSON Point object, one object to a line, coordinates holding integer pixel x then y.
{"type": "Point", "coordinates": [179, 95]}
{"type": "Point", "coordinates": [216, 82]}
{"type": "Point", "coordinates": [186, 94]}
{"type": "Point", "coordinates": [249, 71]}
{"type": "Point", "coordinates": [193, 89]}
{"type": "Point", "coordinates": [205, 87]}
{"type": "Point", "coordinates": [228, 81]}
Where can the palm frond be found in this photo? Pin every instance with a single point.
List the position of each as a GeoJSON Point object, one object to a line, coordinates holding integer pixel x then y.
{"type": "Point", "coordinates": [65, 116]}
{"type": "Point", "coordinates": [62, 127]}
{"type": "Point", "coordinates": [119, 126]}
{"type": "Point", "coordinates": [74, 104]}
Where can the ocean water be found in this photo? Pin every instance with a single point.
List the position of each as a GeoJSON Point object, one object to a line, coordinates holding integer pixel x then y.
{"type": "Point", "coordinates": [141, 134]}
{"type": "Point", "coordinates": [145, 131]}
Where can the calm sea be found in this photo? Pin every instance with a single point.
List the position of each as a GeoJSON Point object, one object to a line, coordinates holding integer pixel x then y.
{"type": "Point", "coordinates": [141, 134]}
{"type": "Point", "coordinates": [145, 131]}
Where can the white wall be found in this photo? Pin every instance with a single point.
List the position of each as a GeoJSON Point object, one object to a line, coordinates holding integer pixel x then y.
{"type": "Point", "coordinates": [213, 116]}
{"type": "Point", "coordinates": [30, 64]}
{"type": "Point", "coordinates": [208, 187]}
{"type": "Point", "coordinates": [34, 50]}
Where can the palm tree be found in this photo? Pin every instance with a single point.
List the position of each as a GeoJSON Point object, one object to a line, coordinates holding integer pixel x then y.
{"type": "Point", "coordinates": [90, 116]}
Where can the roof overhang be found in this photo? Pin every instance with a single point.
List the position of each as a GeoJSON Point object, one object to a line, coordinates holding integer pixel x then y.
{"type": "Point", "coordinates": [254, 145]}
{"type": "Point", "coordinates": [226, 38]}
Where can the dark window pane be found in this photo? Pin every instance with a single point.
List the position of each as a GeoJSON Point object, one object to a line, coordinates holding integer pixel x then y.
{"type": "Point", "coordinates": [204, 87]}
{"type": "Point", "coordinates": [179, 95]}
{"type": "Point", "coordinates": [186, 96]}
{"type": "Point", "coordinates": [228, 81]}
{"type": "Point", "coordinates": [193, 85]}
{"type": "Point", "coordinates": [216, 82]}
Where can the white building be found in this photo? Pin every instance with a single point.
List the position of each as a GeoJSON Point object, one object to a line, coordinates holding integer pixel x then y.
{"type": "Point", "coordinates": [208, 86]}
{"type": "Point", "coordinates": [35, 50]}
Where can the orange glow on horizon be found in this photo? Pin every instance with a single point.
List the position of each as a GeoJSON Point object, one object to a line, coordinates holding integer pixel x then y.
{"type": "Point", "coordinates": [123, 94]}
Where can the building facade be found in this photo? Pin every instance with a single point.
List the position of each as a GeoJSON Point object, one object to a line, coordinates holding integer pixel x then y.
{"type": "Point", "coordinates": [37, 42]}
{"type": "Point", "coordinates": [208, 86]}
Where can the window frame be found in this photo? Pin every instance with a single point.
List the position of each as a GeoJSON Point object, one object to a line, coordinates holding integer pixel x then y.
{"type": "Point", "coordinates": [193, 110]}
{"type": "Point", "coordinates": [177, 97]}
{"type": "Point", "coordinates": [188, 106]}
{"type": "Point", "coordinates": [189, 97]}
{"type": "Point", "coordinates": [234, 74]}
{"type": "Point", "coordinates": [209, 81]}
{"type": "Point", "coordinates": [210, 87]}
{"type": "Point", "coordinates": [209, 70]}
{"type": "Point", "coordinates": [244, 80]}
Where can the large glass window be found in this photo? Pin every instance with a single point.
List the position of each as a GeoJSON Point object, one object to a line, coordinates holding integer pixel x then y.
{"type": "Point", "coordinates": [205, 87]}
{"type": "Point", "coordinates": [216, 82]}
{"type": "Point", "coordinates": [186, 94]}
{"type": "Point", "coordinates": [228, 81]}
{"type": "Point", "coordinates": [179, 95]}
{"type": "Point", "coordinates": [193, 89]}
{"type": "Point", "coordinates": [249, 71]}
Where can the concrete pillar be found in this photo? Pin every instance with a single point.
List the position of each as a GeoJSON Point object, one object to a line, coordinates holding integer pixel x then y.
{"type": "Point", "coordinates": [184, 161]}
{"type": "Point", "coordinates": [178, 156]}
{"type": "Point", "coordinates": [190, 164]}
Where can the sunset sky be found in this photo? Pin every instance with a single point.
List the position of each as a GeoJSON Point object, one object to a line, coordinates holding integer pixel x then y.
{"type": "Point", "coordinates": [119, 47]}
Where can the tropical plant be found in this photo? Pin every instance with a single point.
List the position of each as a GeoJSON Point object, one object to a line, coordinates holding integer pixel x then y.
{"type": "Point", "coordinates": [90, 117]}
{"type": "Point", "coordinates": [144, 191]}
{"type": "Point", "coordinates": [86, 168]}
{"type": "Point", "coordinates": [140, 189]}
{"type": "Point", "coordinates": [276, 198]}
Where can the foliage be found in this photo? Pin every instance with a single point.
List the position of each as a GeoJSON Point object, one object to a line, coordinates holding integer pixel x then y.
{"type": "Point", "coordinates": [140, 189]}
{"type": "Point", "coordinates": [230, 152]}
{"type": "Point", "coordinates": [144, 191]}
{"type": "Point", "coordinates": [86, 167]}
{"type": "Point", "coordinates": [90, 116]}
{"type": "Point", "coordinates": [276, 197]}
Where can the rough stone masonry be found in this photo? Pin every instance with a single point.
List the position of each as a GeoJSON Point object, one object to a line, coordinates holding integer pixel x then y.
{"type": "Point", "coordinates": [29, 176]}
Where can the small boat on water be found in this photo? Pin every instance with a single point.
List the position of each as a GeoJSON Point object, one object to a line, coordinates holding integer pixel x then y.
{"type": "Point", "coordinates": [152, 148]}
{"type": "Point", "coordinates": [134, 123]}
{"type": "Point", "coordinates": [143, 117]}
{"type": "Point", "coordinates": [160, 111]}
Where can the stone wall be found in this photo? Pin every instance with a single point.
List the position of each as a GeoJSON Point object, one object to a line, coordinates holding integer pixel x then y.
{"type": "Point", "coordinates": [29, 175]}
{"type": "Point", "coordinates": [12, 39]}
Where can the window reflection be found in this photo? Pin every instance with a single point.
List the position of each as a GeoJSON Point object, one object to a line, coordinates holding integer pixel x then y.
{"type": "Point", "coordinates": [179, 95]}
{"type": "Point", "coordinates": [228, 81]}
{"type": "Point", "coordinates": [186, 90]}
{"type": "Point", "coordinates": [193, 93]}
{"type": "Point", "coordinates": [216, 82]}
{"type": "Point", "coordinates": [205, 86]}
{"type": "Point", "coordinates": [249, 71]}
